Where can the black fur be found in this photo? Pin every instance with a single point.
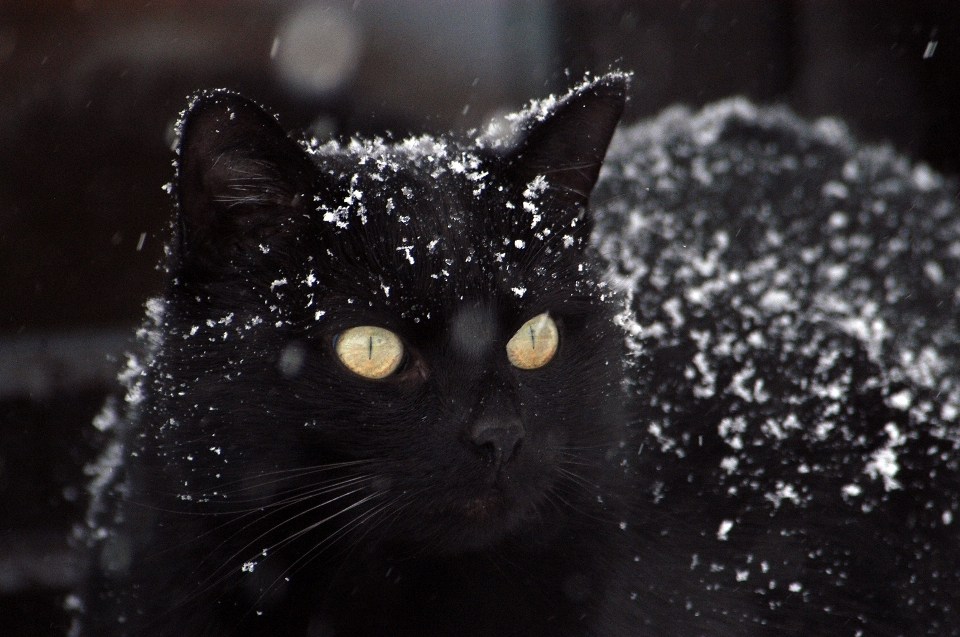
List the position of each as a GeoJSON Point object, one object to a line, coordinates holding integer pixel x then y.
{"type": "Point", "coordinates": [709, 452]}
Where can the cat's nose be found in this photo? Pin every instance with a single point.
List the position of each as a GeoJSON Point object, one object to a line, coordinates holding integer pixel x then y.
{"type": "Point", "coordinates": [498, 439]}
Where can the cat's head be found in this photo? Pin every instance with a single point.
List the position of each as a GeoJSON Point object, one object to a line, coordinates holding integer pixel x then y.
{"type": "Point", "coordinates": [425, 315]}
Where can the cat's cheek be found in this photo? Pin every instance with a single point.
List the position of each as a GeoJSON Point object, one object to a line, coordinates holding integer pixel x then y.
{"type": "Point", "coordinates": [553, 441]}
{"type": "Point", "coordinates": [382, 484]}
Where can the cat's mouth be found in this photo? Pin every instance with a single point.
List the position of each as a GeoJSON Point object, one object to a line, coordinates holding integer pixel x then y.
{"type": "Point", "coordinates": [487, 518]}
{"type": "Point", "coordinates": [484, 507]}
{"type": "Point", "coordinates": [472, 521]}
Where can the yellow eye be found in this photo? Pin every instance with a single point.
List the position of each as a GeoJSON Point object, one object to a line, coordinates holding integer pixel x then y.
{"type": "Point", "coordinates": [534, 344]}
{"type": "Point", "coordinates": [370, 351]}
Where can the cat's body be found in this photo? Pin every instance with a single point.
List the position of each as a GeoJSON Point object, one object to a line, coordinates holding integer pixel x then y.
{"type": "Point", "coordinates": [741, 426]}
{"type": "Point", "coordinates": [794, 319]}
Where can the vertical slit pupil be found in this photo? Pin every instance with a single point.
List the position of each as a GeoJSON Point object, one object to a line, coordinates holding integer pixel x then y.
{"type": "Point", "coordinates": [533, 339]}
{"type": "Point", "coordinates": [370, 349]}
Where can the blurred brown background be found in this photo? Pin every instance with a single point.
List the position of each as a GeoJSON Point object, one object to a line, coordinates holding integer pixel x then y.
{"type": "Point", "coordinates": [90, 89]}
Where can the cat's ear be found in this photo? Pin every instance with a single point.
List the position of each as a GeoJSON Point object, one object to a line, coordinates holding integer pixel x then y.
{"type": "Point", "coordinates": [240, 179]}
{"type": "Point", "coordinates": [566, 144]}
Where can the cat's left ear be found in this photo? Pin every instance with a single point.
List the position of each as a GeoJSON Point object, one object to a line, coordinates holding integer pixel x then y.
{"type": "Point", "coordinates": [565, 146]}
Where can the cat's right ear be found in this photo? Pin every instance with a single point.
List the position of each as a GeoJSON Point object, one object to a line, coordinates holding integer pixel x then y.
{"type": "Point", "coordinates": [240, 178]}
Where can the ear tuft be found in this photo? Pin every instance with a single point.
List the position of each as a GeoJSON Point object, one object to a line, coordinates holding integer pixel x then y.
{"type": "Point", "coordinates": [239, 178]}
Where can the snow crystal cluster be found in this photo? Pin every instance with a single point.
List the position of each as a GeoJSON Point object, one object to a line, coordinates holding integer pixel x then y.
{"type": "Point", "coordinates": [378, 160]}
{"type": "Point", "coordinates": [790, 304]}
{"type": "Point", "coordinates": [106, 472]}
{"type": "Point", "coordinates": [796, 247]}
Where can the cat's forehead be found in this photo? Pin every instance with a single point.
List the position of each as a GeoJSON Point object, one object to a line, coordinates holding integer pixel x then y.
{"type": "Point", "coordinates": [431, 223]}
{"type": "Point", "coordinates": [422, 197]}
{"type": "Point", "coordinates": [380, 160]}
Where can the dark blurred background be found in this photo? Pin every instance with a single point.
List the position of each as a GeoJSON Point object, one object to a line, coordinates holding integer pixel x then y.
{"type": "Point", "coordinates": [90, 90]}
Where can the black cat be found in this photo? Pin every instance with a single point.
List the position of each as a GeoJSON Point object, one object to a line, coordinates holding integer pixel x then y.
{"type": "Point", "coordinates": [397, 389]}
